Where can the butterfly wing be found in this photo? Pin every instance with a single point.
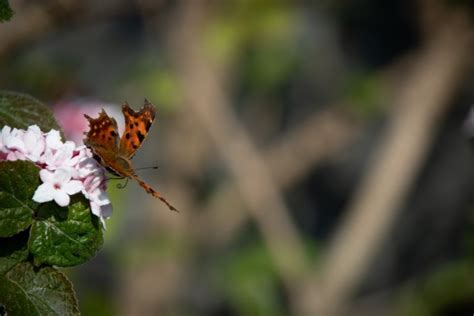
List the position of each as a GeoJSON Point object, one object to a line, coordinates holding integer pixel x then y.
{"type": "Point", "coordinates": [102, 132]}
{"type": "Point", "coordinates": [137, 125]}
{"type": "Point", "coordinates": [115, 154]}
{"type": "Point", "coordinates": [102, 137]}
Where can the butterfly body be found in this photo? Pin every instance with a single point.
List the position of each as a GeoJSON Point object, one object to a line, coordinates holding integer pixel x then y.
{"type": "Point", "coordinates": [115, 153]}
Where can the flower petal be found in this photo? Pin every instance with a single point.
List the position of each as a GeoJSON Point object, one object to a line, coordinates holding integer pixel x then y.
{"type": "Point", "coordinates": [34, 143]}
{"type": "Point", "coordinates": [53, 139]}
{"type": "Point", "coordinates": [46, 176]}
{"type": "Point", "coordinates": [62, 175]}
{"type": "Point", "coordinates": [106, 210]}
{"type": "Point", "coordinates": [6, 130]}
{"type": "Point", "coordinates": [31, 138]}
{"type": "Point", "coordinates": [44, 193]}
{"type": "Point", "coordinates": [14, 142]}
{"type": "Point", "coordinates": [63, 154]}
{"type": "Point", "coordinates": [95, 208]}
{"type": "Point", "coordinates": [100, 197]}
{"type": "Point", "coordinates": [15, 155]}
{"type": "Point", "coordinates": [61, 198]}
{"type": "Point", "coordinates": [73, 187]}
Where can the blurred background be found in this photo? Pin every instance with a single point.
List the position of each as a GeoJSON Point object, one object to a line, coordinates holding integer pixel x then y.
{"type": "Point", "coordinates": [318, 151]}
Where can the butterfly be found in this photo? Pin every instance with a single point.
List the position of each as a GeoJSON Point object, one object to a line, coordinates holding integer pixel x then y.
{"type": "Point", "coordinates": [114, 152]}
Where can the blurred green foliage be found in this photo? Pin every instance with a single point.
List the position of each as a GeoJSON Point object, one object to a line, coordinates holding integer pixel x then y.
{"type": "Point", "coordinates": [6, 11]}
{"type": "Point", "coordinates": [447, 291]}
{"type": "Point", "coordinates": [260, 35]}
{"type": "Point", "coordinates": [95, 303]}
{"type": "Point", "coordinates": [45, 77]}
{"type": "Point", "coordinates": [156, 81]}
{"type": "Point", "coordinates": [249, 279]}
{"type": "Point", "coordinates": [364, 94]}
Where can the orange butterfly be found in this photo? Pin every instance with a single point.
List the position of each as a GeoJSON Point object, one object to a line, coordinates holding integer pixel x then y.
{"type": "Point", "coordinates": [115, 153]}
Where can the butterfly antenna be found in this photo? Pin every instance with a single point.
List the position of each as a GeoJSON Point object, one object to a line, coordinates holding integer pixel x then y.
{"type": "Point", "coordinates": [122, 185]}
{"type": "Point", "coordinates": [144, 168]}
{"type": "Point", "coordinates": [114, 178]}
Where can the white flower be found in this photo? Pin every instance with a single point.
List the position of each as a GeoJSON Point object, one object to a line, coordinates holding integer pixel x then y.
{"type": "Point", "coordinates": [53, 139]}
{"type": "Point", "coordinates": [57, 186]}
{"type": "Point", "coordinates": [65, 168]}
{"type": "Point", "coordinates": [5, 131]}
{"type": "Point", "coordinates": [12, 139]}
{"type": "Point", "coordinates": [87, 166]}
{"type": "Point", "coordinates": [12, 143]}
{"type": "Point", "coordinates": [34, 143]}
{"type": "Point", "coordinates": [101, 211]}
{"type": "Point", "coordinates": [98, 196]}
{"type": "Point", "coordinates": [19, 144]}
{"type": "Point", "coordinates": [60, 156]}
{"type": "Point", "coordinates": [15, 155]}
{"type": "Point", "coordinates": [95, 191]}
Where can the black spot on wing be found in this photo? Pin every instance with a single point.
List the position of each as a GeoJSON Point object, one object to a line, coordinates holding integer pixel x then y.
{"type": "Point", "coordinates": [147, 125]}
{"type": "Point", "coordinates": [141, 137]}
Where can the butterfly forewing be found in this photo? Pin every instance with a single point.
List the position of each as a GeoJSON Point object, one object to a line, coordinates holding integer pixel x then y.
{"type": "Point", "coordinates": [137, 125]}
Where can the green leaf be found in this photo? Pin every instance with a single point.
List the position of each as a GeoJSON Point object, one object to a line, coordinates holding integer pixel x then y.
{"type": "Point", "coordinates": [21, 110]}
{"type": "Point", "coordinates": [26, 290]}
{"type": "Point", "coordinates": [65, 236]}
{"type": "Point", "coordinates": [6, 11]}
{"type": "Point", "coordinates": [251, 283]}
{"type": "Point", "coordinates": [18, 182]}
{"type": "Point", "coordinates": [13, 250]}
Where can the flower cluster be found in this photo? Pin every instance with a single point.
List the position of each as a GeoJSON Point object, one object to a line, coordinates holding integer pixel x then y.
{"type": "Point", "coordinates": [66, 169]}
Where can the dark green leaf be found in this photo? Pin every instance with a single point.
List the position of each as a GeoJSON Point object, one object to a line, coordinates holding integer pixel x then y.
{"type": "Point", "coordinates": [26, 290]}
{"type": "Point", "coordinates": [6, 11]}
{"type": "Point", "coordinates": [13, 250]}
{"type": "Point", "coordinates": [18, 182]}
{"type": "Point", "coordinates": [21, 110]}
{"type": "Point", "coordinates": [65, 236]}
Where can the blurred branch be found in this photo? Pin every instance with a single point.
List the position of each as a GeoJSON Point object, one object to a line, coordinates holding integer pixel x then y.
{"type": "Point", "coordinates": [320, 136]}
{"type": "Point", "coordinates": [420, 105]}
{"type": "Point", "coordinates": [315, 139]}
{"type": "Point", "coordinates": [213, 112]}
